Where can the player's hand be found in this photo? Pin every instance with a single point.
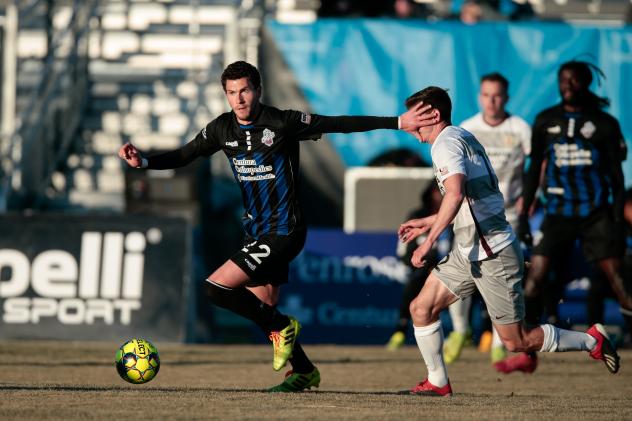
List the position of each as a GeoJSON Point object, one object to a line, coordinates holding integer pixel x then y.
{"type": "Point", "coordinates": [418, 116]}
{"type": "Point", "coordinates": [419, 255]}
{"type": "Point", "coordinates": [131, 155]}
{"type": "Point", "coordinates": [411, 224]}
{"type": "Point", "coordinates": [410, 234]}
{"type": "Point", "coordinates": [524, 230]}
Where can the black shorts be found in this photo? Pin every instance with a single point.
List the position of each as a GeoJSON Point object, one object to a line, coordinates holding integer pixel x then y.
{"type": "Point", "coordinates": [266, 260]}
{"type": "Point", "coordinates": [597, 231]}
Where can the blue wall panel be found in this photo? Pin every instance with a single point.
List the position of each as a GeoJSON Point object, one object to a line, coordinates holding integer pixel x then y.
{"type": "Point", "coordinates": [370, 66]}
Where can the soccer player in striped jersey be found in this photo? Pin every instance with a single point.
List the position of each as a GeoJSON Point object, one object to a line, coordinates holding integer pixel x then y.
{"type": "Point", "coordinates": [581, 148]}
{"type": "Point", "coordinates": [507, 141]}
{"type": "Point", "coordinates": [486, 255]}
{"type": "Point", "coordinates": [262, 146]}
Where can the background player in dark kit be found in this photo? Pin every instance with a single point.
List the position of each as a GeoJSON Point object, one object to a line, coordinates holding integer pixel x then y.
{"type": "Point", "coordinates": [582, 148]}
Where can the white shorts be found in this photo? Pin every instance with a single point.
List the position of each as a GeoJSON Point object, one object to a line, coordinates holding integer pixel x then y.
{"type": "Point", "coordinates": [498, 278]}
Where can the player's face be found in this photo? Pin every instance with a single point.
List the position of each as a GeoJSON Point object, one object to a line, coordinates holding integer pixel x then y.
{"type": "Point", "coordinates": [492, 98]}
{"type": "Point", "coordinates": [571, 87]}
{"type": "Point", "coordinates": [243, 98]}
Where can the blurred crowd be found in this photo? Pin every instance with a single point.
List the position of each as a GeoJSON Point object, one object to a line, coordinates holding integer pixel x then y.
{"type": "Point", "coordinates": [467, 11]}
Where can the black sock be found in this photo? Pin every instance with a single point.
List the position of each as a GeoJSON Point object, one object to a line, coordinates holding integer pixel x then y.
{"type": "Point", "coordinates": [300, 362]}
{"type": "Point", "coordinates": [243, 302]}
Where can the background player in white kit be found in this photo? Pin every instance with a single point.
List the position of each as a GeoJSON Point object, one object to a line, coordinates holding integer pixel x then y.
{"type": "Point", "coordinates": [486, 255]}
{"type": "Point", "coordinates": [507, 141]}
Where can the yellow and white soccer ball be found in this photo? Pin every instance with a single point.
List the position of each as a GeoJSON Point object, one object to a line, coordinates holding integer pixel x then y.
{"type": "Point", "coordinates": [137, 361]}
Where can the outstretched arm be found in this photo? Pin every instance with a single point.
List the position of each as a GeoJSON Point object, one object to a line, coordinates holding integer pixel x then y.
{"type": "Point", "coordinates": [173, 159]}
{"type": "Point", "coordinates": [418, 116]}
{"type": "Point", "coordinates": [450, 205]}
{"type": "Point", "coordinates": [203, 144]}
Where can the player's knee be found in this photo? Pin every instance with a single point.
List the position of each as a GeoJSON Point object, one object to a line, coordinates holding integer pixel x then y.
{"type": "Point", "coordinates": [216, 292]}
{"type": "Point", "coordinates": [421, 314]}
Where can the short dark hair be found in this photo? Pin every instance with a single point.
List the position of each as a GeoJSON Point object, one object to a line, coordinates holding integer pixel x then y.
{"type": "Point", "coordinates": [436, 97]}
{"type": "Point", "coordinates": [496, 77]}
{"type": "Point", "coordinates": [240, 69]}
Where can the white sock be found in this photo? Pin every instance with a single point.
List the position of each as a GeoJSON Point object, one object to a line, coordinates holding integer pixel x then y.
{"type": "Point", "coordinates": [430, 343]}
{"type": "Point", "coordinates": [460, 314]}
{"type": "Point", "coordinates": [560, 340]}
{"type": "Point", "coordinates": [496, 341]}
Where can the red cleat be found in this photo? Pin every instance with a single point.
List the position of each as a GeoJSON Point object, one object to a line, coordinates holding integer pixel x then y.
{"type": "Point", "coordinates": [426, 388]}
{"type": "Point", "coordinates": [604, 350]}
{"type": "Point", "coordinates": [521, 362]}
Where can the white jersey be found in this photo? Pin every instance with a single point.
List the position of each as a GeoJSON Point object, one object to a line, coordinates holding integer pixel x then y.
{"type": "Point", "coordinates": [480, 227]}
{"type": "Point", "coordinates": [507, 145]}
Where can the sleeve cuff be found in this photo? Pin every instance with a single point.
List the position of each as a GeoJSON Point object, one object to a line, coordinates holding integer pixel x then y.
{"type": "Point", "coordinates": [399, 123]}
{"type": "Point", "coordinates": [143, 163]}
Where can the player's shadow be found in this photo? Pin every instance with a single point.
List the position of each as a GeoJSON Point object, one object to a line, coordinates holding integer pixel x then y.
{"type": "Point", "coordinates": [135, 388]}
{"type": "Point", "coordinates": [149, 389]}
{"type": "Point", "coordinates": [241, 362]}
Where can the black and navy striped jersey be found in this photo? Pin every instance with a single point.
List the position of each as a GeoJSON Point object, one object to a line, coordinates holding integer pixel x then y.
{"type": "Point", "coordinates": [264, 157]}
{"type": "Point", "coordinates": [583, 154]}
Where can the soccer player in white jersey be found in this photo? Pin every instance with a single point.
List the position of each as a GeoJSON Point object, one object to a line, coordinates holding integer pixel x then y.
{"type": "Point", "coordinates": [507, 141]}
{"type": "Point", "coordinates": [486, 255]}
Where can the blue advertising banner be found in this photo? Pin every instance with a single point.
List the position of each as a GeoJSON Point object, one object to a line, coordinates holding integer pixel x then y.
{"type": "Point", "coordinates": [370, 66]}
{"type": "Point", "coordinates": [345, 288]}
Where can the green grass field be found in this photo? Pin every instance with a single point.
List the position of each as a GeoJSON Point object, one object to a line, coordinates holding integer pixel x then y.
{"type": "Point", "coordinates": [77, 380]}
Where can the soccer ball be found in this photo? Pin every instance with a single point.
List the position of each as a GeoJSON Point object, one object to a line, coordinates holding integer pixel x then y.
{"type": "Point", "coordinates": [137, 361]}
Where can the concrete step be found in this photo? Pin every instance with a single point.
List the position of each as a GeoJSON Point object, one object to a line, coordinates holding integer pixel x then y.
{"type": "Point", "coordinates": [121, 72]}
{"type": "Point", "coordinates": [96, 200]}
{"type": "Point", "coordinates": [130, 123]}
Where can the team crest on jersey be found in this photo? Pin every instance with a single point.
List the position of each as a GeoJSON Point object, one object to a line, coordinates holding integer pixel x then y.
{"type": "Point", "coordinates": [306, 118]}
{"type": "Point", "coordinates": [588, 129]}
{"type": "Point", "coordinates": [204, 132]}
{"type": "Point", "coordinates": [268, 137]}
